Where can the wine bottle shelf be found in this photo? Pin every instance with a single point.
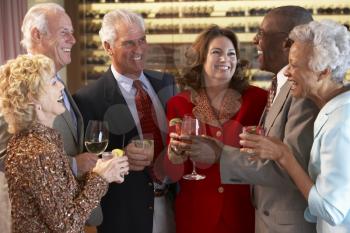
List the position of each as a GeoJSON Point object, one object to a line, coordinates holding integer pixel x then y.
{"type": "Point", "coordinates": [172, 25]}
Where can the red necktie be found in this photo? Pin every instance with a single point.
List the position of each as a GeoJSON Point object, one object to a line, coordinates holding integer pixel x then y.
{"type": "Point", "coordinates": [148, 120]}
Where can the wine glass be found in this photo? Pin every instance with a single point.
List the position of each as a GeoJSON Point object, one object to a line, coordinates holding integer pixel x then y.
{"type": "Point", "coordinates": [192, 126]}
{"type": "Point", "coordinates": [96, 137]}
{"type": "Point", "coordinates": [257, 130]}
{"type": "Point", "coordinates": [254, 129]}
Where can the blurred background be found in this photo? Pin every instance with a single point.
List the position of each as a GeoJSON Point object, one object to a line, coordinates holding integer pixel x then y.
{"type": "Point", "coordinates": [172, 25]}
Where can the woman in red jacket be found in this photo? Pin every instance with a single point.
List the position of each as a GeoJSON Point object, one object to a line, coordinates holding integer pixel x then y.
{"type": "Point", "coordinates": [216, 93]}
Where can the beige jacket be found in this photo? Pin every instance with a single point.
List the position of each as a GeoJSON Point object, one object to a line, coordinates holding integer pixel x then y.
{"type": "Point", "coordinates": [279, 204]}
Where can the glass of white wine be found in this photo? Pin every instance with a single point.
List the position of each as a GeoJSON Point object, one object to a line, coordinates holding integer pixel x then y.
{"type": "Point", "coordinates": [96, 136]}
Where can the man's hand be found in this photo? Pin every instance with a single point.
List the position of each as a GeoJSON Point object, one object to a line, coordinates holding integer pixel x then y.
{"type": "Point", "coordinates": [204, 149]}
{"type": "Point", "coordinates": [139, 158]}
{"type": "Point", "coordinates": [265, 148]}
{"type": "Point", "coordinates": [85, 162]}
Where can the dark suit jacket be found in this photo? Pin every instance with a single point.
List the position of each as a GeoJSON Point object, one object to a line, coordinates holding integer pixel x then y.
{"type": "Point", "coordinates": [127, 207]}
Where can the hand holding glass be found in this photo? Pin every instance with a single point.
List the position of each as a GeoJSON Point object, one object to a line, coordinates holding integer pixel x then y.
{"type": "Point", "coordinates": [109, 155]}
{"type": "Point", "coordinates": [254, 129]}
{"type": "Point", "coordinates": [257, 130]}
{"type": "Point", "coordinates": [96, 137]}
{"type": "Point", "coordinates": [192, 126]}
{"type": "Point", "coordinates": [146, 144]}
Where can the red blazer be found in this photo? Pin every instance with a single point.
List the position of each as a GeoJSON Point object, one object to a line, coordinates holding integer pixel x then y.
{"type": "Point", "coordinates": [208, 206]}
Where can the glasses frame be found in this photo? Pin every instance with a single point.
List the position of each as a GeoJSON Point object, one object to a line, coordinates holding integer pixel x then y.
{"type": "Point", "coordinates": [261, 33]}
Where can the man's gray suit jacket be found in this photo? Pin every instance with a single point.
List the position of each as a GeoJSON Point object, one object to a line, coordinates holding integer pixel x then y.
{"type": "Point", "coordinates": [279, 204]}
{"type": "Point", "coordinates": [73, 140]}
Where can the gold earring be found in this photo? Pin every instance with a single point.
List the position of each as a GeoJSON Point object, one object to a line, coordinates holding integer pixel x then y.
{"type": "Point", "coordinates": [39, 108]}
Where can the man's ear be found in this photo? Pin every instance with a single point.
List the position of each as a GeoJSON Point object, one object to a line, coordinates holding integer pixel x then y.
{"type": "Point", "coordinates": [36, 35]}
{"type": "Point", "coordinates": [108, 48]}
{"type": "Point", "coordinates": [287, 43]}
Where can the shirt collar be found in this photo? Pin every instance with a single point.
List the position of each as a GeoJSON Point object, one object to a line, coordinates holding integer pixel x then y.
{"type": "Point", "coordinates": [127, 83]}
{"type": "Point", "coordinates": [336, 102]}
{"type": "Point", "coordinates": [281, 78]}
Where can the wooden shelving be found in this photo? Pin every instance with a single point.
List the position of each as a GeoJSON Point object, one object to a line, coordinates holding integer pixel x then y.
{"type": "Point", "coordinates": [243, 16]}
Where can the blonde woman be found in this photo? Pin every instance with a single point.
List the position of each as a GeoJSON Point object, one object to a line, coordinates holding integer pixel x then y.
{"type": "Point", "coordinates": [45, 196]}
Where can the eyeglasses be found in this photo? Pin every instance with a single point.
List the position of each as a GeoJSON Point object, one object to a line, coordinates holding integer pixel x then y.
{"type": "Point", "coordinates": [129, 44]}
{"type": "Point", "coordinates": [261, 33]}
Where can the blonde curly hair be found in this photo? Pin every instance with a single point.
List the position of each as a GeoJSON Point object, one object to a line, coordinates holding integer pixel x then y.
{"type": "Point", "coordinates": [22, 80]}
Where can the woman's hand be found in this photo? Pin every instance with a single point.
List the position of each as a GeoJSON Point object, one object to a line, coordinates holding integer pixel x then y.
{"type": "Point", "coordinates": [264, 147]}
{"type": "Point", "coordinates": [177, 149]}
{"type": "Point", "coordinates": [113, 169]}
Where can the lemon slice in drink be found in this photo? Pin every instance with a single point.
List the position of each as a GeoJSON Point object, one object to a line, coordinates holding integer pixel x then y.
{"type": "Point", "coordinates": [175, 121]}
{"type": "Point", "coordinates": [118, 152]}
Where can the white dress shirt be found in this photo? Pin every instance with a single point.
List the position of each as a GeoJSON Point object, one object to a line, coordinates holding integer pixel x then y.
{"type": "Point", "coordinates": [128, 91]}
{"type": "Point", "coordinates": [281, 80]}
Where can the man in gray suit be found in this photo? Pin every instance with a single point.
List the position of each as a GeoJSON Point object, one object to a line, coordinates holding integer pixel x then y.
{"type": "Point", "coordinates": [47, 30]}
{"type": "Point", "coordinates": [278, 203]}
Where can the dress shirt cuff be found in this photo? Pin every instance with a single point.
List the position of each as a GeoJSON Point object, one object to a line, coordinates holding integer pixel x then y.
{"type": "Point", "coordinates": [321, 208]}
{"type": "Point", "coordinates": [309, 217]}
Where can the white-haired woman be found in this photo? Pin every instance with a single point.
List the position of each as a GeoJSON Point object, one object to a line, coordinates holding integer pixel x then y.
{"type": "Point", "coordinates": [45, 196]}
{"type": "Point", "coordinates": [318, 61]}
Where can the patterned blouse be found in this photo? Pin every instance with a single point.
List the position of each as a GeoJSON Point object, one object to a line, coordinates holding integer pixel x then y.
{"type": "Point", "coordinates": [45, 196]}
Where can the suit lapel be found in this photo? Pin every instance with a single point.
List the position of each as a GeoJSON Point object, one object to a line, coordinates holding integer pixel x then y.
{"type": "Point", "coordinates": [332, 105]}
{"type": "Point", "coordinates": [118, 115]}
{"type": "Point", "coordinates": [112, 92]}
{"type": "Point", "coordinates": [163, 91]}
{"type": "Point", "coordinates": [79, 131]}
{"type": "Point", "coordinates": [321, 120]}
{"type": "Point", "coordinates": [155, 82]}
{"type": "Point", "coordinates": [164, 88]}
{"type": "Point", "coordinates": [276, 107]}
{"type": "Point", "coordinates": [67, 117]}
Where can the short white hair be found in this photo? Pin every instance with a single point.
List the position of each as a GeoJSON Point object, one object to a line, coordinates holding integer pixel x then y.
{"type": "Point", "coordinates": [109, 30]}
{"type": "Point", "coordinates": [36, 17]}
{"type": "Point", "coordinates": [331, 46]}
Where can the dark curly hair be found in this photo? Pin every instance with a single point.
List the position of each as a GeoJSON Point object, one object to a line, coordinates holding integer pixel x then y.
{"type": "Point", "coordinates": [196, 56]}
